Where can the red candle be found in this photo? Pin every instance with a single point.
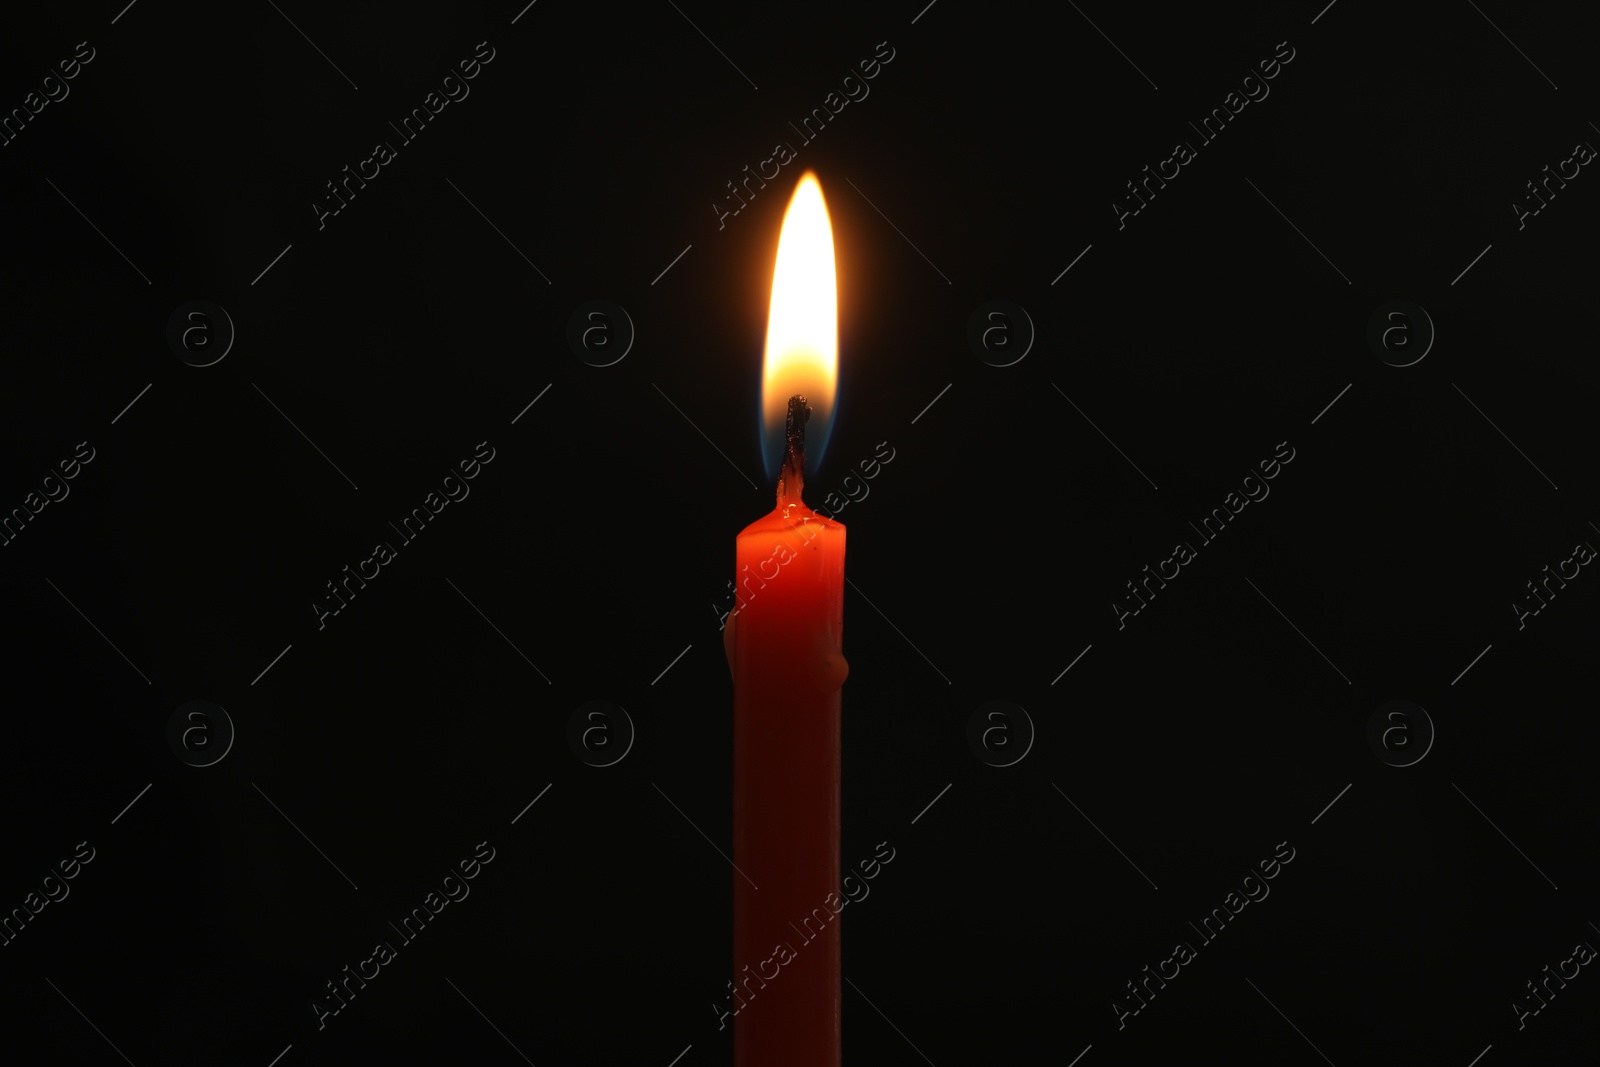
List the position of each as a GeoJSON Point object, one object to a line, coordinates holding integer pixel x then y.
{"type": "Point", "coordinates": [783, 641]}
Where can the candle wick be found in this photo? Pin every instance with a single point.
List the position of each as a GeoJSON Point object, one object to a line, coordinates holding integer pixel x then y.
{"type": "Point", "coordinates": [791, 477]}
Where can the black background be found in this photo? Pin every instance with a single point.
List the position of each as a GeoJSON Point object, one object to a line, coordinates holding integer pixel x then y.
{"type": "Point", "coordinates": [1212, 727]}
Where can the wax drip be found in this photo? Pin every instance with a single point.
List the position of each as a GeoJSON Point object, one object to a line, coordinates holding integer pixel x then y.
{"type": "Point", "coordinates": [791, 476]}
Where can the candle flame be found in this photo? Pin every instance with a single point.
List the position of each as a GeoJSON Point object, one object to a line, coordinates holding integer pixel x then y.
{"type": "Point", "coordinates": [802, 353]}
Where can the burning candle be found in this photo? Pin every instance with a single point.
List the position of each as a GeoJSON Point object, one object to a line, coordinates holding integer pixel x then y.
{"type": "Point", "coordinates": [783, 642]}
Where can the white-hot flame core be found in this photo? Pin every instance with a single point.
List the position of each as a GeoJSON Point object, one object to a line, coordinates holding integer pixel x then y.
{"type": "Point", "coordinates": [802, 353]}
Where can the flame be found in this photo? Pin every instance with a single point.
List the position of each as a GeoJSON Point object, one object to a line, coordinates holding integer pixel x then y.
{"type": "Point", "coordinates": [802, 354]}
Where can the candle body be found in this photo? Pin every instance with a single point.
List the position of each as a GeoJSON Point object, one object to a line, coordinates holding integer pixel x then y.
{"type": "Point", "coordinates": [784, 646]}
